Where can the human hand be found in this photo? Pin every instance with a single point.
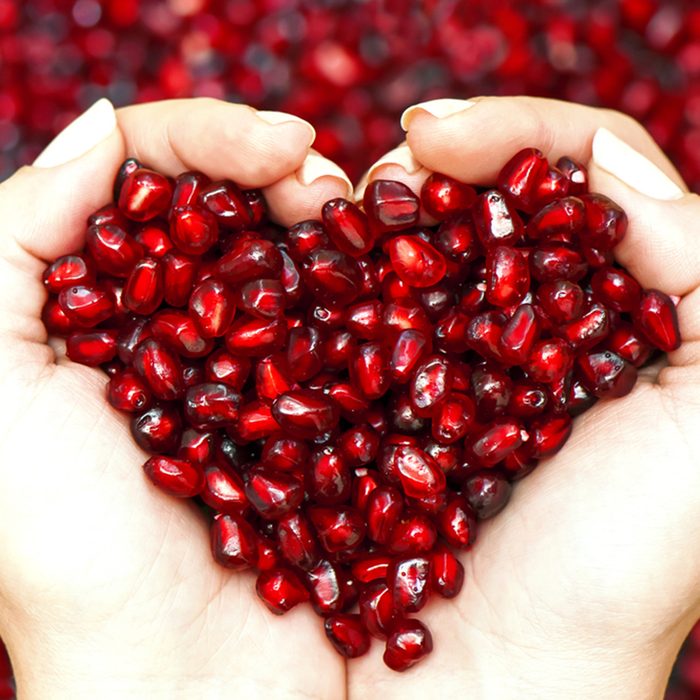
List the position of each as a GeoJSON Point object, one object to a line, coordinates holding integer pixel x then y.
{"type": "Point", "coordinates": [107, 587]}
{"type": "Point", "coordinates": [587, 583]}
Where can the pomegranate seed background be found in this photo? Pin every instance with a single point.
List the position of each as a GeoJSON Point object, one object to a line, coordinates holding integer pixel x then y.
{"type": "Point", "coordinates": [350, 68]}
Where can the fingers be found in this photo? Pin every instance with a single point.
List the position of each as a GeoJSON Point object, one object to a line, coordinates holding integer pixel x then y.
{"type": "Point", "coordinates": [472, 139]}
{"type": "Point", "coordinates": [221, 139]}
{"type": "Point", "coordinates": [301, 194]}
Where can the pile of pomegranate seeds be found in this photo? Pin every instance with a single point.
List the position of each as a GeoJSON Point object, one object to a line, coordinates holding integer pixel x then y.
{"type": "Point", "coordinates": [349, 396]}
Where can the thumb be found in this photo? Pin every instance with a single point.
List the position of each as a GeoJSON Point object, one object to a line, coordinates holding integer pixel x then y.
{"type": "Point", "coordinates": [662, 246]}
{"type": "Point", "coordinates": [44, 208]}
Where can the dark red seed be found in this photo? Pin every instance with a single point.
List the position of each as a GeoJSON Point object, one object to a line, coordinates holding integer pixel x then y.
{"type": "Point", "coordinates": [575, 173]}
{"type": "Point", "coordinates": [92, 348]}
{"type": "Point", "coordinates": [273, 493]}
{"type": "Point", "coordinates": [328, 477]}
{"type": "Point", "coordinates": [500, 438]}
{"type": "Point", "coordinates": [347, 634]}
{"type": "Point", "coordinates": [552, 261]}
{"type": "Point", "coordinates": [587, 330]}
{"type": "Point", "coordinates": [255, 421]}
{"type": "Point", "coordinates": [391, 205]}
{"type": "Point", "coordinates": [224, 490]}
{"type": "Point", "coordinates": [409, 642]}
{"type": "Point", "coordinates": [372, 567]}
{"type": "Point", "coordinates": [304, 238]}
{"type": "Point", "coordinates": [491, 389]}
{"type": "Point", "coordinates": [157, 429]}
{"type": "Point", "coordinates": [457, 522]}
{"type": "Point", "coordinates": [521, 177]}
{"type": "Point", "coordinates": [606, 223]}
{"type": "Point", "coordinates": [296, 541]}
{"type": "Point", "coordinates": [55, 320]}
{"type": "Point", "coordinates": [430, 384]}
{"type": "Point", "coordinates": [456, 238]}
{"type": "Point", "coordinates": [193, 230]}
{"type": "Point", "coordinates": [176, 477]}
{"type": "Point", "coordinates": [67, 271]}
{"type": "Point", "coordinates": [262, 298]}
{"type": "Point", "coordinates": [161, 369]}
{"type": "Point", "coordinates": [256, 337]}
{"type": "Point", "coordinates": [418, 472]}
{"type": "Point", "coordinates": [409, 582]}
{"type": "Point", "coordinates": [384, 507]}
{"type": "Point", "coordinates": [549, 361]}
{"type": "Point", "coordinates": [414, 533]}
{"type": "Point", "coordinates": [519, 335]}
{"type": "Point", "coordinates": [306, 413]}
{"type": "Point", "coordinates": [85, 306]}
{"type": "Point", "coordinates": [487, 493]}
{"type": "Point", "coordinates": [453, 418]}
{"type": "Point", "coordinates": [212, 308]}
{"type": "Point", "coordinates": [227, 203]}
{"type": "Point", "coordinates": [626, 342]}
{"type": "Point", "coordinates": [144, 194]}
{"type": "Point", "coordinates": [304, 353]}
{"type": "Point", "coordinates": [446, 572]}
{"type": "Point", "coordinates": [359, 445]}
{"type": "Point", "coordinates": [125, 169]}
{"type": "Point", "coordinates": [369, 370]}
{"type": "Point", "coordinates": [495, 222]}
{"type": "Point", "coordinates": [143, 292]}
{"type": "Point", "coordinates": [326, 586]}
{"type": "Point", "coordinates": [616, 289]}
{"type": "Point", "coordinates": [416, 262]}
{"type": "Point", "coordinates": [249, 259]}
{"type": "Point", "coordinates": [188, 187]}
{"type": "Point", "coordinates": [332, 276]}
{"type": "Point", "coordinates": [527, 400]}
{"type": "Point", "coordinates": [285, 453]}
{"type": "Point", "coordinates": [154, 239]}
{"type": "Point", "coordinates": [547, 435]}
{"type": "Point", "coordinates": [442, 196]}
{"type": "Point", "coordinates": [233, 542]}
{"type": "Point", "coordinates": [656, 318]}
{"type": "Point", "coordinates": [340, 529]}
{"type": "Point", "coordinates": [565, 217]}
{"type": "Point", "coordinates": [562, 300]}
{"type": "Point", "coordinates": [606, 374]}
{"type": "Point", "coordinates": [127, 392]}
{"type": "Point", "coordinates": [507, 276]}
{"type": "Point", "coordinates": [179, 273]}
{"type": "Point", "coordinates": [280, 589]}
{"type": "Point", "coordinates": [178, 331]}
{"type": "Point", "coordinates": [222, 366]}
{"type": "Point", "coordinates": [347, 227]}
{"type": "Point", "coordinates": [209, 406]}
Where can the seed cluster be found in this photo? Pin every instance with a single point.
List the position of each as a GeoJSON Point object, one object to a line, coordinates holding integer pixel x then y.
{"type": "Point", "coordinates": [347, 397]}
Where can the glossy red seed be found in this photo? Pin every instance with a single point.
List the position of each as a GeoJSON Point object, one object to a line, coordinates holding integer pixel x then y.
{"type": "Point", "coordinates": [328, 476]}
{"type": "Point", "coordinates": [616, 289]}
{"type": "Point", "coordinates": [178, 331]}
{"type": "Point", "coordinates": [359, 445]}
{"type": "Point", "coordinates": [656, 318]}
{"type": "Point", "coordinates": [125, 169]}
{"type": "Point", "coordinates": [416, 262]}
{"type": "Point", "coordinates": [408, 350]}
{"type": "Point", "coordinates": [552, 261]}
{"type": "Point", "coordinates": [233, 542]}
{"type": "Point", "coordinates": [519, 335]}
{"type": "Point", "coordinates": [587, 330]}
{"type": "Point", "coordinates": [126, 391]}
{"type": "Point", "coordinates": [606, 374]}
{"type": "Point", "coordinates": [157, 429]}
{"type": "Point", "coordinates": [527, 400]}
{"type": "Point", "coordinates": [92, 348]}
{"type": "Point", "coordinates": [626, 342]}
{"type": "Point", "coordinates": [347, 635]}
{"type": "Point", "coordinates": [272, 377]}
{"type": "Point", "coordinates": [418, 473]}
{"type": "Point", "coordinates": [507, 276]}
{"type": "Point", "coordinates": [391, 205]}
{"type": "Point", "coordinates": [249, 259]}
{"type": "Point", "coordinates": [262, 298]}
{"type": "Point", "coordinates": [188, 187]}
{"type": "Point", "coordinates": [332, 276]}
{"type": "Point", "coordinates": [456, 238]}
{"type": "Point", "coordinates": [446, 572]}
{"type": "Point", "coordinates": [193, 230]}
{"type": "Point", "coordinates": [67, 271]}
{"type": "Point", "coordinates": [179, 273]}
{"type": "Point", "coordinates": [304, 353]}
{"type": "Point", "coordinates": [144, 194]}
{"type": "Point", "coordinates": [562, 300]}
{"type": "Point", "coordinates": [305, 237]}
{"type": "Point", "coordinates": [55, 320]}
{"type": "Point", "coordinates": [154, 239]}
{"type": "Point", "coordinates": [85, 306]}
{"type": "Point", "coordinates": [224, 490]}
{"type": "Point", "coordinates": [453, 418]}
{"type": "Point", "coordinates": [327, 588]}
{"type": "Point", "coordinates": [484, 332]}
{"type": "Point", "coordinates": [409, 582]}
{"type": "Point", "coordinates": [409, 642]}
{"type": "Point", "coordinates": [364, 319]}
{"type": "Point", "coordinates": [500, 438]}
{"type": "Point", "coordinates": [491, 389]}
{"type": "Point", "coordinates": [372, 567]}
{"type": "Point", "coordinates": [495, 222]}
{"type": "Point", "coordinates": [176, 477]}
{"type": "Point", "coordinates": [487, 493]}
{"type": "Point", "coordinates": [285, 453]}
{"type": "Point", "coordinates": [457, 523]}
{"type": "Point", "coordinates": [376, 609]}
{"type": "Point", "coordinates": [575, 173]}
{"type": "Point", "coordinates": [209, 406]}
{"type": "Point", "coordinates": [339, 529]}
{"type": "Point", "coordinates": [549, 361]}
{"type": "Point", "coordinates": [369, 370]}
{"type": "Point", "coordinates": [296, 541]}
{"type": "Point", "coordinates": [547, 435]}
{"type": "Point", "coordinates": [255, 421]}
{"type": "Point", "coordinates": [430, 384]}
{"type": "Point", "coordinates": [564, 217]}
{"type": "Point", "coordinates": [255, 337]}
{"type": "Point", "coordinates": [384, 507]}
{"type": "Point", "coordinates": [143, 292]}
{"type": "Point", "coordinates": [606, 223]}
{"type": "Point", "coordinates": [160, 368]}
{"type": "Point", "coordinates": [521, 176]}
{"type": "Point", "coordinates": [222, 366]}
{"type": "Point", "coordinates": [442, 196]}
{"type": "Point", "coordinates": [227, 203]}
{"type": "Point", "coordinates": [305, 413]}
{"type": "Point", "coordinates": [273, 493]}
{"type": "Point", "coordinates": [212, 308]}
{"type": "Point", "coordinates": [414, 533]}
{"type": "Point", "coordinates": [280, 588]}
{"type": "Point", "coordinates": [347, 227]}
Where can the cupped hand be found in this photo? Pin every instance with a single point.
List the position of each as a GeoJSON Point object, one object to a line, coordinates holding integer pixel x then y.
{"type": "Point", "coordinates": [587, 583]}
{"type": "Point", "coordinates": [107, 587]}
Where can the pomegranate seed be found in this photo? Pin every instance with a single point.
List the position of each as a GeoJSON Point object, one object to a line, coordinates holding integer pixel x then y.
{"type": "Point", "coordinates": [68, 271]}
{"type": "Point", "coordinates": [255, 337]}
{"type": "Point", "coordinates": [656, 319]}
{"type": "Point", "coordinates": [414, 533]}
{"type": "Point", "coordinates": [527, 400]}
{"type": "Point", "coordinates": [606, 374]}
{"type": "Point", "coordinates": [306, 413]}
{"type": "Point", "coordinates": [223, 367]}
{"type": "Point", "coordinates": [549, 361]}
{"type": "Point", "coordinates": [55, 319]}
{"type": "Point", "coordinates": [453, 418]}
{"type": "Point", "coordinates": [347, 634]}
{"type": "Point", "coordinates": [575, 173]}
{"type": "Point", "coordinates": [588, 330]}
{"type": "Point", "coordinates": [548, 435]}
{"type": "Point", "coordinates": [144, 194]}
{"type": "Point", "coordinates": [193, 230]}
{"type": "Point", "coordinates": [255, 421]}
{"type": "Point", "coordinates": [552, 262]}
{"type": "Point", "coordinates": [127, 392]}
{"type": "Point", "coordinates": [178, 331]}
{"type": "Point", "coordinates": [409, 642]}
{"type": "Point", "coordinates": [446, 573]}
{"type": "Point", "coordinates": [376, 609]}
{"type": "Point", "coordinates": [327, 589]}
{"type": "Point", "coordinates": [629, 345]}
{"type": "Point", "coordinates": [224, 490]}
{"type": "Point", "coordinates": [249, 259]}
{"type": "Point", "coordinates": [442, 196]}
{"type": "Point", "coordinates": [359, 445]}
{"type": "Point", "coordinates": [125, 169]}
{"type": "Point", "coordinates": [347, 227]}
{"type": "Point", "coordinates": [304, 238]}
{"type": "Point", "coordinates": [562, 300]}
{"type": "Point", "coordinates": [176, 477]}
{"type": "Point", "coordinates": [521, 176]}
{"type": "Point", "coordinates": [519, 335]}
{"type": "Point", "coordinates": [160, 368]}
{"type": "Point", "coordinates": [371, 568]}
{"type": "Point", "coordinates": [212, 307]}
{"type": "Point", "coordinates": [332, 276]}
{"type": "Point", "coordinates": [179, 272]}
{"type": "Point", "coordinates": [143, 292]}
{"type": "Point", "coordinates": [304, 353]}
{"type": "Point", "coordinates": [491, 389]}
{"type": "Point", "coordinates": [154, 239]}
{"type": "Point", "coordinates": [384, 507]}
{"type": "Point", "coordinates": [409, 582]}
{"type": "Point", "coordinates": [338, 529]}
{"type": "Point", "coordinates": [233, 542]}
{"type": "Point", "coordinates": [157, 429]}
{"type": "Point", "coordinates": [297, 543]}
{"type": "Point", "coordinates": [507, 276]}
{"type": "Point", "coordinates": [418, 472]}
{"type": "Point", "coordinates": [487, 493]}
{"type": "Point", "coordinates": [262, 298]}
{"type": "Point", "coordinates": [416, 262]}
{"type": "Point", "coordinates": [456, 238]}
{"type": "Point", "coordinates": [369, 370]}
{"type": "Point", "coordinates": [495, 222]}
{"type": "Point", "coordinates": [328, 477]}
{"type": "Point", "coordinates": [273, 493]}
{"type": "Point", "coordinates": [364, 320]}
{"type": "Point", "coordinates": [391, 205]}
{"type": "Point", "coordinates": [188, 187]}
{"type": "Point", "coordinates": [92, 349]}
{"type": "Point", "coordinates": [606, 223]}
{"type": "Point", "coordinates": [209, 406]}
{"type": "Point", "coordinates": [280, 589]}
{"type": "Point", "coordinates": [227, 203]}
{"type": "Point", "coordinates": [498, 440]}
{"type": "Point", "coordinates": [285, 453]}
{"type": "Point", "coordinates": [430, 384]}
{"type": "Point", "coordinates": [85, 306]}
{"type": "Point", "coordinates": [616, 289]}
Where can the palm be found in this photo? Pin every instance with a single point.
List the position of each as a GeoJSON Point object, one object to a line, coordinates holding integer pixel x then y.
{"type": "Point", "coordinates": [133, 563]}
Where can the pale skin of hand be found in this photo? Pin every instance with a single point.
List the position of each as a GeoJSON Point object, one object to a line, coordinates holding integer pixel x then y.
{"type": "Point", "coordinates": [583, 587]}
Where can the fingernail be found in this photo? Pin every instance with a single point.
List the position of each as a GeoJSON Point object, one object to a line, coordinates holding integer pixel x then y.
{"type": "Point", "coordinates": [400, 156]}
{"type": "Point", "coordinates": [315, 167]}
{"type": "Point", "coordinates": [621, 160]}
{"type": "Point", "coordinates": [283, 118]}
{"type": "Point", "coordinates": [438, 108]}
{"type": "Point", "coordinates": [82, 134]}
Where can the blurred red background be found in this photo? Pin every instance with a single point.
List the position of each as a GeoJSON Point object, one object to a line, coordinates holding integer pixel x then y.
{"type": "Point", "coordinates": [350, 67]}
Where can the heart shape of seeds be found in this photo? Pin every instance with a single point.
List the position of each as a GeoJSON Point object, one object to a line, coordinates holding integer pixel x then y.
{"type": "Point", "coordinates": [348, 397]}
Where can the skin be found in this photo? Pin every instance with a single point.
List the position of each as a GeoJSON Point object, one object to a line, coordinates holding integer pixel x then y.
{"type": "Point", "coordinates": [583, 587]}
